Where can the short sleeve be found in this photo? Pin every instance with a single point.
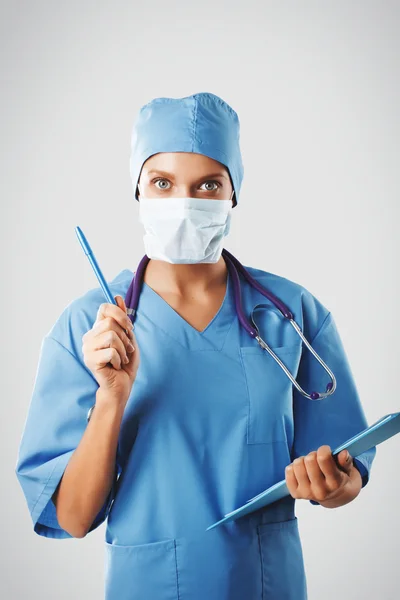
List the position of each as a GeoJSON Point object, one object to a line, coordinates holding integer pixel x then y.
{"type": "Point", "coordinates": [336, 418]}
{"type": "Point", "coordinates": [64, 390]}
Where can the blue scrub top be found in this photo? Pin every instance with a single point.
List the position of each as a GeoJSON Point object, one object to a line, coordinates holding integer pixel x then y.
{"type": "Point", "coordinates": [212, 420]}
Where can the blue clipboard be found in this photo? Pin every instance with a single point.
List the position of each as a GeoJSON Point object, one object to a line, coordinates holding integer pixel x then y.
{"type": "Point", "coordinates": [377, 433]}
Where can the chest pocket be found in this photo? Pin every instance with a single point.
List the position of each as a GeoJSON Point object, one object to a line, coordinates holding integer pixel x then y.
{"type": "Point", "coordinates": [270, 392]}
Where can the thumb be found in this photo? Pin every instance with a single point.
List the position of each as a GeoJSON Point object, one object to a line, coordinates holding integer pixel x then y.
{"type": "Point", "coordinates": [121, 302]}
{"type": "Point", "coordinates": [345, 460]}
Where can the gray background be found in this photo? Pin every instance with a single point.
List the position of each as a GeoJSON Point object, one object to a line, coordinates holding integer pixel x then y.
{"type": "Point", "coordinates": [316, 87]}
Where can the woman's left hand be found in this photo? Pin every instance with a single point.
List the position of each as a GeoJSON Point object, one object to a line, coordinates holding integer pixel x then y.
{"type": "Point", "coordinates": [317, 477]}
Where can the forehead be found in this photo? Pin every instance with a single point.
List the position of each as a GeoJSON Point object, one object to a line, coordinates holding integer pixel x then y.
{"type": "Point", "coordinates": [189, 163]}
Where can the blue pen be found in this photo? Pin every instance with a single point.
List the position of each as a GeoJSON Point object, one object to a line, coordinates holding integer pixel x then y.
{"type": "Point", "coordinates": [92, 259]}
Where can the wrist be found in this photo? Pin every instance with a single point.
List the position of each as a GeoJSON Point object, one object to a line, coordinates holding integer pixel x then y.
{"type": "Point", "coordinates": [107, 403]}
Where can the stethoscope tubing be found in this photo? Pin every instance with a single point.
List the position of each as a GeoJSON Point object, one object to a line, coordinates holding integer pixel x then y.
{"type": "Point", "coordinates": [235, 267]}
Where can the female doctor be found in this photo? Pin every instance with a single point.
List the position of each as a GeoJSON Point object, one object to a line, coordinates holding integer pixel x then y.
{"type": "Point", "coordinates": [189, 416]}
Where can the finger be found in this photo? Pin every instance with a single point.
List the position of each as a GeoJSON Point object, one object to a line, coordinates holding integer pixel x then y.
{"type": "Point", "coordinates": [116, 312]}
{"type": "Point", "coordinates": [132, 341]}
{"type": "Point", "coordinates": [107, 355]}
{"type": "Point", "coordinates": [121, 302]}
{"type": "Point", "coordinates": [314, 471]}
{"type": "Point", "coordinates": [344, 461]}
{"type": "Point", "coordinates": [110, 339]}
{"type": "Point", "coordinates": [300, 473]}
{"type": "Point", "coordinates": [109, 324]}
{"type": "Point", "coordinates": [333, 475]}
{"type": "Point", "coordinates": [318, 486]}
{"type": "Point", "coordinates": [122, 305]}
{"type": "Point", "coordinates": [291, 481]}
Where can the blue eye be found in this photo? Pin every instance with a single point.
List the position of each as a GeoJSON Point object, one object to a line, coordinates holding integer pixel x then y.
{"type": "Point", "coordinates": [217, 184]}
{"type": "Point", "coordinates": [160, 179]}
{"type": "Point", "coordinates": [164, 187]}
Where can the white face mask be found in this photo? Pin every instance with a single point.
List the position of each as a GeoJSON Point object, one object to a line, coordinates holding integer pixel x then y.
{"type": "Point", "coordinates": [184, 230]}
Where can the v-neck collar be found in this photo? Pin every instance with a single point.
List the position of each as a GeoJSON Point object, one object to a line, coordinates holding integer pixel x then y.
{"type": "Point", "coordinates": [155, 308]}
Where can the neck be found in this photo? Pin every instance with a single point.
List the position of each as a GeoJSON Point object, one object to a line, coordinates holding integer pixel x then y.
{"type": "Point", "coordinates": [185, 279]}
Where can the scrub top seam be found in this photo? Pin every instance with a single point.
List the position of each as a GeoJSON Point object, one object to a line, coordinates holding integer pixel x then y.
{"type": "Point", "coordinates": [187, 347]}
{"type": "Point", "coordinates": [261, 562]}
{"type": "Point", "coordinates": [46, 484]}
{"type": "Point", "coordinates": [248, 395]}
{"type": "Point", "coordinates": [227, 333]}
{"type": "Point", "coordinates": [321, 327]}
{"type": "Point", "coordinates": [74, 356]}
{"type": "Point", "coordinates": [177, 571]}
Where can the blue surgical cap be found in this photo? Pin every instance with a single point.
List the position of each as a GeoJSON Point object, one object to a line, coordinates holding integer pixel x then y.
{"type": "Point", "coordinates": [202, 123]}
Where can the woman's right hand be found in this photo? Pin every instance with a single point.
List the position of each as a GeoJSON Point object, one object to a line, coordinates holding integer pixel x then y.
{"type": "Point", "coordinates": [106, 346]}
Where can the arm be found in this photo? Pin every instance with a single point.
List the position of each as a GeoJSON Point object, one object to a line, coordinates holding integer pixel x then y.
{"type": "Point", "coordinates": [55, 426]}
{"type": "Point", "coordinates": [89, 475]}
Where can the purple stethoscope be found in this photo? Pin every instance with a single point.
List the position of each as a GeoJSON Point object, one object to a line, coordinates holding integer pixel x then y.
{"type": "Point", "coordinates": [235, 267]}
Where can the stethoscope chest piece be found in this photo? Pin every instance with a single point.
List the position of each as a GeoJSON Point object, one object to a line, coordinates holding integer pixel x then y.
{"type": "Point", "coordinates": [331, 386]}
{"type": "Point", "coordinates": [235, 268]}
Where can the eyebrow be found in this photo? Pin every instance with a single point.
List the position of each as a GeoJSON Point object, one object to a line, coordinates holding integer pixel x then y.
{"type": "Point", "coordinates": [165, 174]}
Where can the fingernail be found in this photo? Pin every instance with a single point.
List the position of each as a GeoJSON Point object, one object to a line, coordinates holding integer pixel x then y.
{"type": "Point", "coordinates": [130, 347]}
{"type": "Point", "coordinates": [348, 457]}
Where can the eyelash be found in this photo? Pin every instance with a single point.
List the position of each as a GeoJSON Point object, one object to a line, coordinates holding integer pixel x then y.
{"type": "Point", "coordinates": [208, 181]}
